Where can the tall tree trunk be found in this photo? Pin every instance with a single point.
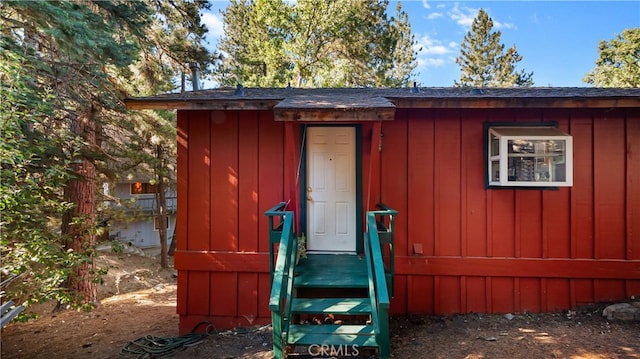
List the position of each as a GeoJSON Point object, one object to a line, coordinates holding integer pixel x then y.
{"type": "Point", "coordinates": [78, 223]}
{"type": "Point", "coordinates": [162, 205]}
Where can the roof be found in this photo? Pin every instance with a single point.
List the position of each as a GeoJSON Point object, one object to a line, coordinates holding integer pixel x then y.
{"type": "Point", "coordinates": [343, 100]}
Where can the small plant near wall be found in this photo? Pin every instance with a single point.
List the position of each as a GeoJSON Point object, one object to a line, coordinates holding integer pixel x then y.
{"type": "Point", "coordinates": [302, 247]}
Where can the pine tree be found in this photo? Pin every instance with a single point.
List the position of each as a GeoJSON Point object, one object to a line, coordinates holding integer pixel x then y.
{"type": "Point", "coordinates": [404, 54]}
{"type": "Point", "coordinates": [75, 70]}
{"type": "Point", "coordinates": [483, 60]}
{"type": "Point", "coordinates": [65, 68]}
{"type": "Point", "coordinates": [315, 44]}
{"type": "Point", "coordinates": [618, 63]}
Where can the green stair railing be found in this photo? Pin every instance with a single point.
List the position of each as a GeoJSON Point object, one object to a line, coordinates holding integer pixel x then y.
{"type": "Point", "coordinates": [384, 220]}
{"type": "Point", "coordinates": [282, 285]}
{"type": "Point", "coordinates": [276, 222]}
{"type": "Point", "coordinates": [378, 286]}
{"type": "Point", "coordinates": [379, 260]}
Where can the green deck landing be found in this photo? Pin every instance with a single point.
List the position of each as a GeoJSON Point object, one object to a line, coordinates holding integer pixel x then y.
{"type": "Point", "coordinates": [331, 271]}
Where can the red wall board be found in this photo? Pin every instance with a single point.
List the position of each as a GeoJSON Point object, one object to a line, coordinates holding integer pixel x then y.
{"type": "Point", "coordinates": [518, 267]}
{"type": "Point", "coordinates": [633, 184]}
{"type": "Point", "coordinates": [248, 182]}
{"type": "Point", "coordinates": [476, 300]}
{"type": "Point", "coordinates": [224, 181]}
{"type": "Point", "coordinates": [528, 224]}
{"type": "Point", "coordinates": [473, 210]}
{"type": "Point", "coordinates": [608, 290]}
{"type": "Point", "coordinates": [199, 185]}
{"type": "Point", "coordinates": [248, 295]}
{"type": "Point", "coordinates": [420, 211]}
{"type": "Point", "coordinates": [198, 299]}
{"type": "Point", "coordinates": [609, 186]}
{"type": "Point", "coordinates": [529, 295]}
{"type": "Point", "coordinates": [502, 295]}
{"type": "Point", "coordinates": [420, 214]}
{"type": "Point", "coordinates": [371, 165]}
{"type": "Point", "coordinates": [558, 295]}
{"type": "Point", "coordinates": [582, 212]}
{"type": "Point", "coordinates": [270, 172]}
{"type": "Point", "coordinates": [447, 185]}
{"type": "Point", "coordinates": [556, 223]}
{"type": "Point", "coordinates": [502, 225]}
{"type": "Point", "coordinates": [447, 291]}
{"type": "Point", "coordinates": [291, 178]}
{"type": "Point", "coordinates": [182, 184]}
{"type": "Point", "coordinates": [181, 215]}
{"type": "Point", "coordinates": [223, 294]}
{"type": "Point", "coordinates": [222, 261]}
{"type": "Point", "coordinates": [420, 294]}
{"type": "Point", "coordinates": [264, 294]}
{"type": "Point", "coordinates": [632, 288]}
{"type": "Point", "coordinates": [399, 301]}
{"type": "Point", "coordinates": [583, 291]}
{"type": "Point", "coordinates": [556, 207]}
{"type": "Point", "coordinates": [182, 294]}
{"type": "Point", "coordinates": [394, 175]}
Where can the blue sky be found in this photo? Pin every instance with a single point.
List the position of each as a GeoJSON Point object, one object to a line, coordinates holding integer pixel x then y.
{"type": "Point", "coordinates": [558, 40]}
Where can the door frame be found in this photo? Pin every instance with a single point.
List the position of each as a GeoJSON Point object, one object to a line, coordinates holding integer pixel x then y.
{"type": "Point", "coordinates": [303, 180]}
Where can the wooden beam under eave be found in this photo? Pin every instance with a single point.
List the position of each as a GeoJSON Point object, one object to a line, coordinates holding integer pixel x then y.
{"type": "Point", "coordinates": [515, 102]}
{"type": "Point", "coordinates": [163, 104]}
{"type": "Point", "coordinates": [334, 115]}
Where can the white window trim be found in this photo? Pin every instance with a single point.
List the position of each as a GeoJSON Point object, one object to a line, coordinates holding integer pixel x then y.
{"type": "Point", "coordinates": [503, 155]}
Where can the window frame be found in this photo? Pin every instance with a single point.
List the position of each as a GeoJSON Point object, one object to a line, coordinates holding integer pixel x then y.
{"type": "Point", "coordinates": [502, 157]}
{"type": "Point", "coordinates": [146, 188]}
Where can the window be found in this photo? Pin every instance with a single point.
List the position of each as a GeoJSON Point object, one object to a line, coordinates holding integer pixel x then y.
{"type": "Point", "coordinates": [529, 156]}
{"type": "Point", "coordinates": [143, 188]}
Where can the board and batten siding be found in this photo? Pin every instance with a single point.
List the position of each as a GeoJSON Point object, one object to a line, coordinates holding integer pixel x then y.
{"type": "Point", "coordinates": [230, 170]}
{"type": "Point", "coordinates": [506, 250]}
{"type": "Point", "coordinates": [490, 251]}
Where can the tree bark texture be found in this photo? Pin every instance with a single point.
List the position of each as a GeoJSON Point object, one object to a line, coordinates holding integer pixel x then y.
{"type": "Point", "coordinates": [78, 223]}
{"type": "Point", "coordinates": [162, 213]}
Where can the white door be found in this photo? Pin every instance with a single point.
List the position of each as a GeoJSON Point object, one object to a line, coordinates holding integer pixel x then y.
{"type": "Point", "coordinates": [331, 189]}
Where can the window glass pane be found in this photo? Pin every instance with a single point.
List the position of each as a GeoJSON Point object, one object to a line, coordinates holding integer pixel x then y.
{"type": "Point", "coordinates": [136, 188]}
{"type": "Point", "coordinates": [495, 145]}
{"type": "Point", "coordinates": [143, 188]}
{"type": "Point", "coordinates": [559, 173]}
{"type": "Point", "coordinates": [536, 160]}
{"type": "Point", "coordinates": [521, 169]}
{"type": "Point", "coordinates": [495, 171]}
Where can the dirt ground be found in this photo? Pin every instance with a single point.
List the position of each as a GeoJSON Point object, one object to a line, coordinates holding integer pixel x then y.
{"type": "Point", "coordinates": [139, 298]}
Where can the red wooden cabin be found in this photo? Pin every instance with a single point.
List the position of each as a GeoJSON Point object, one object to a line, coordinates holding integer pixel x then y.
{"type": "Point", "coordinates": [463, 241]}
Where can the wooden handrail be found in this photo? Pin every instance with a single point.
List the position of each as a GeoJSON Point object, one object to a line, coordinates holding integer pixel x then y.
{"type": "Point", "coordinates": [276, 210]}
{"type": "Point", "coordinates": [385, 218]}
{"type": "Point", "coordinates": [384, 210]}
{"type": "Point", "coordinates": [378, 289]}
{"type": "Point", "coordinates": [282, 285]}
{"type": "Point", "coordinates": [275, 229]}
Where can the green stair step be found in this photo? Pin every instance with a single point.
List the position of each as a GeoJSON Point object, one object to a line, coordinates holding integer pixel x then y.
{"type": "Point", "coordinates": [352, 306]}
{"type": "Point", "coordinates": [330, 280]}
{"type": "Point", "coordinates": [360, 335]}
{"type": "Point", "coordinates": [331, 271]}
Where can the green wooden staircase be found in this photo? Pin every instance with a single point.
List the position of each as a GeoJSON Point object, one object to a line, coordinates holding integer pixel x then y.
{"type": "Point", "coordinates": [332, 304]}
